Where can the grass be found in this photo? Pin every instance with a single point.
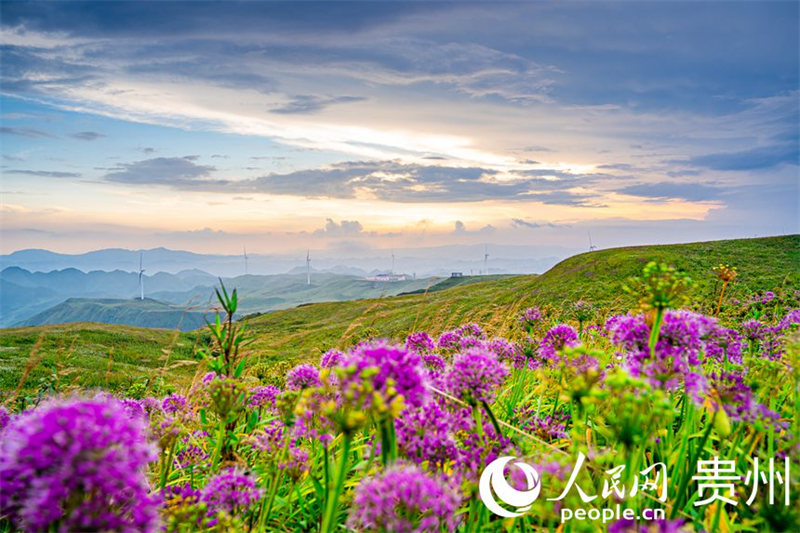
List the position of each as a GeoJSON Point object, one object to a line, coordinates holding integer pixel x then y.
{"type": "Point", "coordinates": [87, 355]}
{"type": "Point", "coordinates": [283, 338]}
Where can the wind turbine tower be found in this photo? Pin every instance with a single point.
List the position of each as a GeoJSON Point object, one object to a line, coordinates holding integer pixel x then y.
{"type": "Point", "coordinates": [591, 246]}
{"type": "Point", "coordinates": [141, 280]}
{"type": "Point", "coordinates": [392, 270]}
{"type": "Point", "coordinates": [245, 260]}
{"type": "Point", "coordinates": [485, 259]}
{"type": "Point", "coordinates": [308, 267]}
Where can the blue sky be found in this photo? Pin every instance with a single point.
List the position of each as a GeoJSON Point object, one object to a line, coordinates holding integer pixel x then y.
{"type": "Point", "coordinates": [292, 125]}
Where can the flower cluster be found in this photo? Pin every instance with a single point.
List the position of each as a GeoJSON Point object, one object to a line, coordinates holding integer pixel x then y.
{"type": "Point", "coordinates": [230, 491]}
{"type": "Point", "coordinates": [475, 375]}
{"type": "Point", "coordinates": [263, 397]}
{"type": "Point", "coordinates": [331, 358]}
{"type": "Point", "coordinates": [420, 342]}
{"type": "Point", "coordinates": [302, 377]}
{"type": "Point", "coordinates": [77, 465]}
{"type": "Point", "coordinates": [395, 371]}
{"type": "Point", "coordinates": [174, 403]}
{"type": "Point", "coordinates": [404, 498]}
{"type": "Point", "coordinates": [555, 340]}
{"type": "Point", "coordinates": [531, 316]}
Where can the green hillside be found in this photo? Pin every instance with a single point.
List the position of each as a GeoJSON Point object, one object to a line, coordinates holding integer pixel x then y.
{"type": "Point", "coordinates": [766, 263]}
{"type": "Point", "coordinates": [303, 333]}
{"type": "Point", "coordinates": [147, 313]}
{"type": "Point", "coordinates": [93, 355]}
{"type": "Point", "coordinates": [449, 283]}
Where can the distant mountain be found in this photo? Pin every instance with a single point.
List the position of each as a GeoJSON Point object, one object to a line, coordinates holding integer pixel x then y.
{"type": "Point", "coordinates": [425, 261]}
{"type": "Point", "coordinates": [24, 294]}
{"type": "Point", "coordinates": [146, 313]}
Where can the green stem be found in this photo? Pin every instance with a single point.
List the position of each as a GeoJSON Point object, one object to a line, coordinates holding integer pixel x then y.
{"type": "Point", "coordinates": [329, 522]}
{"type": "Point", "coordinates": [476, 413]}
{"type": "Point", "coordinates": [493, 419]}
{"type": "Point", "coordinates": [165, 470]}
{"type": "Point", "coordinates": [218, 447]}
{"type": "Point", "coordinates": [655, 331]}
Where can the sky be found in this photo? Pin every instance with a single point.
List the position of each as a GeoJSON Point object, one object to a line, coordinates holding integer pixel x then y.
{"type": "Point", "coordinates": [359, 126]}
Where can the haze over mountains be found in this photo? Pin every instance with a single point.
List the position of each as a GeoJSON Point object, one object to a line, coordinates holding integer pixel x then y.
{"type": "Point", "coordinates": [44, 287]}
{"type": "Point", "coordinates": [425, 262]}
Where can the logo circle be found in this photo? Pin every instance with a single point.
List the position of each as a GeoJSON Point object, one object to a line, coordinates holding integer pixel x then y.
{"type": "Point", "coordinates": [494, 482]}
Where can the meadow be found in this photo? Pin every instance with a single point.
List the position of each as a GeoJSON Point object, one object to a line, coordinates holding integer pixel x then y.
{"type": "Point", "coordinates": [645, 379]}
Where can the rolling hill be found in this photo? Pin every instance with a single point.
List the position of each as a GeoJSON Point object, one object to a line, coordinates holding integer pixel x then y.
{"type": "Point", "coordinates": [35, 298]}
{"type": "Point", "coordinates": [284, 337]}
{"type": "Point", "coordinates": [147, 313]}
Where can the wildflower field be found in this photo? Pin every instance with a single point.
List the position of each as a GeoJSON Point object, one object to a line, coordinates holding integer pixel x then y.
{"type": "Point", "coordinates": [684, 406]}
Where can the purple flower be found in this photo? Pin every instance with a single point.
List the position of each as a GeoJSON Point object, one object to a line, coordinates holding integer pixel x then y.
{"type": "Point", "coordinates": [531, 316]}
{"type": "Point", "coordinates": [434, 362]}
{"type": "Point", "coordinates": [396, 367]}
{"type": "Point", "coordinates": [475, 375]}
{"type": "Point", "coordinates": [426, 434]}
{"type": "Point", "coordinates": [684, 338]}
{"type": "Point", "coordinates": [476, 451]}
{"type": "Point", "coordinates": [404, 498]}
{"type": "Point", "coordinates": [724, 344]}
{"type": "Point", "coordinates": [191, 452]}
{"type": "Point", "coordinates": [753, 330]}
{"type": "Point", "coordinates": [791, 318]}
{"type": "Point", "coordinates": [180, 495]}
{"type": "Point", "coordinates": [151, 405]}
{"type": "Point", "coordinates": [470, 330]}
{"type": "Point", "coordinates": [5, 418]}
{"type": "Point", "coordinates": [77, 465]}
{"type": "Point", "coordinates": [263, 396]}
{"type": "Point", "coordinates": [174, 403]}
{"type": "Point", "coordinates": [331, 358]}
{"type": "Point", "coordinates": [134, 408]}
{"type": "Point", "coordinates": [297, 464]}
{"type": "Point", "coordinates": [420, 342]}
{"type": "Point", "coordinates": [270, 438]}
{"type": "Point", "coordinates": [556, 339]}
{"type": "Point", "coordinates": [549, 427]}
{"type": "Point", "coordinates": [507, 352]}
{"type": "Point", "coordinates": [231, 491]}
{"type": "Point", "coordinates": [302, 377]}
{"type": "Point", "coordinates": [449, 340]}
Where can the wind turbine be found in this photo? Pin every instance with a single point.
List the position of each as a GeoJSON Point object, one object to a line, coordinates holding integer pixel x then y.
{"type": "Point", "coordinates": [245, 260]}
{"type": "Point", "coordinates": [308, 267]}
{"type": "Point", "coordinates": [485, 259]}
{"type": "Point", "coordinates": [591, 246]}
{"type": "Point", "coordinates": [141, 280]}
{"type": "Point", "coordinates": [392, 271]}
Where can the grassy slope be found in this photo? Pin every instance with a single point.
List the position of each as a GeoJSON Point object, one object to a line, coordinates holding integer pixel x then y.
{"type": "Point", "coordinates": [145, 313]}
{"type": "Point", "coordinates": [82, 352]}
{"type": "Point", "coordinates": [305, 332]}
{"type": "Point", "coordinates": [763, 264]}
{"type": "Point", "coordinates": [449, 283]}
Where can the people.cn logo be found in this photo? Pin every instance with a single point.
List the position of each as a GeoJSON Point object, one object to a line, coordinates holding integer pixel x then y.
{"type": "Point", "coordinates": [493, 482]}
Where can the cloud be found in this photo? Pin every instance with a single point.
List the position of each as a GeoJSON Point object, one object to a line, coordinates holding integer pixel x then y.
{"type": "Point", "coordinates": [345, 228]}
{"type": "Point", "coordinates": [26, 132]}
{"type": "Point", "coordinates": [385, 180]}
{"type": "Point", "coordinates": [179, 172]}
{"type": "Point", "coordinates": [753, 159]}
{"type": "Point", "coordinates": [88, 135]}
{"type": "Point", "coordinates": [301, 104]}
{"type": "Point", "coordinates": [44, 173]}
{"type": "Point", "coordinates": [693, 192]}
{"type": "Point", "coordinates": [459, 228]}
{"type": "Point", "coordinates": [521, 223]}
